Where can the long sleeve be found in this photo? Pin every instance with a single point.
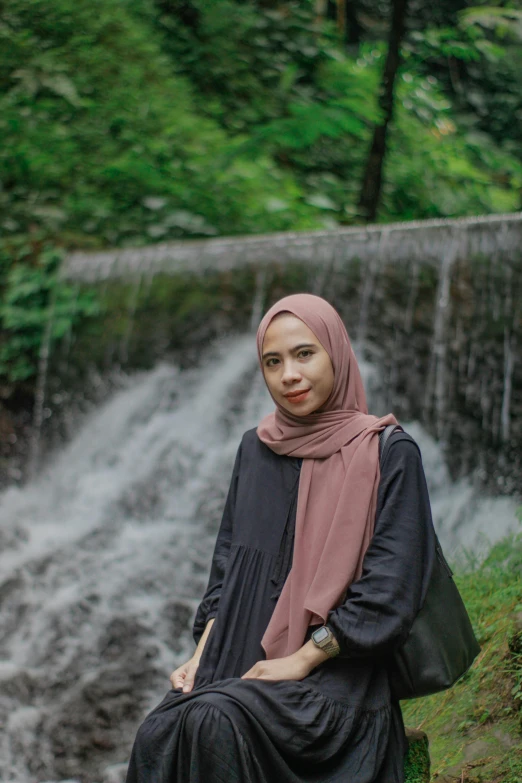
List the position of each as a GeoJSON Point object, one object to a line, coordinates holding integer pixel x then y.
{"type": "Point", "coordinates": [380, 607]}
{"type": "Point", "coordinates": [209, 604]}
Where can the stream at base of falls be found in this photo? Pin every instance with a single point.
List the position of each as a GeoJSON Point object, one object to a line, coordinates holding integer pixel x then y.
{"type": "Point", "coordinates": [104, 557]}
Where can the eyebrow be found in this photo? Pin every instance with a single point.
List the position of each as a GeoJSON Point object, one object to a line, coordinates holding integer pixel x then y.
{"type": "Point", "coordinates": [295, 348]}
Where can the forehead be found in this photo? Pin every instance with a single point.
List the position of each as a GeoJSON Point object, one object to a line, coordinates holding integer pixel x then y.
{"type": "Point", "coordinates": [286, 330]}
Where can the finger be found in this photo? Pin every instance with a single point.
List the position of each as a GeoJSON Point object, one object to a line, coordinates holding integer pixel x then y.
{"type": "Point", "coordinates": [188, 684]}
{"type": "Point", "coordinates": [189, 680]}
{"type": "Point", "coordinates": [177, 679]}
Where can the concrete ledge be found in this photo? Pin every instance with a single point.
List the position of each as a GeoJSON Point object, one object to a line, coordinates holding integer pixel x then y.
{"type": "Point", "coordinates": [425, 240]}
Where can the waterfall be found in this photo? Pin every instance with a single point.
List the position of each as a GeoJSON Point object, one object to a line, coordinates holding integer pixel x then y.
{"type": "Point", "coordinates": [105, 556]}
{"type": "Point", "coordinates": [435, 302]}
{"type": "Point", "coordinates": [133, 301]}
{"type": "Point", "coordinates": [436, 382]}
{"type": "Point", "coordinates": [41, 383]}
{"type": "Point", "coordinates": [508, 381]}
{"type": "Point", "coordinates": [258, 305]}
{"type": "Point", "coordinates": [368, 286]}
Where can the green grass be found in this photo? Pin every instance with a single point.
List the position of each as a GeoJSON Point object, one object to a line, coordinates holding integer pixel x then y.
{"type": "Point", "coordinates": [475, 729]}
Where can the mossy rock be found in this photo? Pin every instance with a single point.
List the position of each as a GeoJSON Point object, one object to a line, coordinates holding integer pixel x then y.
{"type": "Point", "coordinates": [515, 640]}
{"type": "Point", "coordinates": [417, 764]}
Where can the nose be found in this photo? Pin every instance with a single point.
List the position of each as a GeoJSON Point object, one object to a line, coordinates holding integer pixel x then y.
{"type": "Point", "coordinates": [291, 372]}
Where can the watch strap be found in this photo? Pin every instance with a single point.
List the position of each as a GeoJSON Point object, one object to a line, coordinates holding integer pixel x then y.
{"type": "Point", "coordinates": [329, 645]}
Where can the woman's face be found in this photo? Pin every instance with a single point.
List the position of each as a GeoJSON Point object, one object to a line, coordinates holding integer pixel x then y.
{"type": "Point", "coordinates": [297, 369]}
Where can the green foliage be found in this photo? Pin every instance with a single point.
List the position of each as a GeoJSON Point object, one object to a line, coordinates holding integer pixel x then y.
{"type": "Point", "coordinates": [448, 42]}
{"type": "Point", "coordinates": [129, 122]}
{"type": "Point", "coordinates": [435, 170]}
{"type": "Point", "coordinates": [505, 22]}
{"type": "Point", "coordinates": [35, 302]}
{"type": "Point", "coordinates": [100, 139]}
{"type": "Point", "coordinates": [246, 61]}
{"type": "Point", "coordinates": [312, 108]}
{"type": "Point", "coordinates": [477, 57]}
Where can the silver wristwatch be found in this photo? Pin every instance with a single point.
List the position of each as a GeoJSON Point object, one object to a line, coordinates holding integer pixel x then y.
{"type": "Point", "coordinates": [326, 641]}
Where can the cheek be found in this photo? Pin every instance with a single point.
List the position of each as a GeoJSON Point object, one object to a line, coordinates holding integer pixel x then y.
{"type": "Point", "coordinates": [270, 382]}
{"type": "Point", "coordinates": [328, 379]}
{"type": "Point", "coordinates": [331, 381]}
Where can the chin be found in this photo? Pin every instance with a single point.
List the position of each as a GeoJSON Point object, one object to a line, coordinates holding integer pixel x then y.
{"type": "Point", "coordinates": [300, 413]}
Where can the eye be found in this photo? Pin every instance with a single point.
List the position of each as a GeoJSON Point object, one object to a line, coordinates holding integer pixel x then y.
{"type": "Point", "coordinates": [304, 353]}
{"type": "Point", "coordinates": [271, 362]}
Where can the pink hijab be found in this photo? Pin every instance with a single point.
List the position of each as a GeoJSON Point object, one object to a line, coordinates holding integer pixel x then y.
{"type": "Point", "coordinates": [338, 484]}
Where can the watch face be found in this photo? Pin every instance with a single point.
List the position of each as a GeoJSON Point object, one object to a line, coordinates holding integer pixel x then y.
{"type": "Point", "coordinates": [320, 635]}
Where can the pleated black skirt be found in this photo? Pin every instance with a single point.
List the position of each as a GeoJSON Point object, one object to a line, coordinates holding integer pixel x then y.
{"type": "Point", "coordinates": [252, 731]}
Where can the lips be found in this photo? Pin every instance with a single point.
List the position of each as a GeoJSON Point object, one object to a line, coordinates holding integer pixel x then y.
{"type": "Point", "coordinates": [297, 396]}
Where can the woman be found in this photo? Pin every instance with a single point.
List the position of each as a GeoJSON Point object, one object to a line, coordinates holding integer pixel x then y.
{"type": "Point", "coordinates": [320, 567]}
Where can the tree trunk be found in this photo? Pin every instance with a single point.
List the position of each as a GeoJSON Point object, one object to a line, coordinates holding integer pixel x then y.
{"type": "Point", "coordinates": [331, 9]}
{"type": "Point", "coordinates": [187, 13]}
{"type": "Point", "coordinates": [341, 17]}
{"type": "Point", "coordinates": [353, 29]}
{"type": "Point", "coordinates": [344, 12]}
{"type": "Point", "coordinates": [372, 180]}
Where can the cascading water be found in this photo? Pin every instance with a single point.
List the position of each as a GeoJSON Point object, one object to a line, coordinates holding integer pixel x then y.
{"type": "Point", "coordinates": [106, 555]}
{"type": "Point", "coordinates": [39, 397]}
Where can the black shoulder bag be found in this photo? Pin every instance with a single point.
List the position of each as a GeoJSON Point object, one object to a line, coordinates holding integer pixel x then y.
{"type": "Point", "coordinates": [441, 645]}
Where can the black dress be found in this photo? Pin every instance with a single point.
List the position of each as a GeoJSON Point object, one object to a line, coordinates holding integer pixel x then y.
{"type": "Point", "coordinates": [340, 723]}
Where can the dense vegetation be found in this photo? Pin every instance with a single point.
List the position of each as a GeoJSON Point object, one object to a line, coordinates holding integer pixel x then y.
{"type": "Point", "coordinates": [138, 120]}
{"type": "Point", "coordinates": [131, 121]}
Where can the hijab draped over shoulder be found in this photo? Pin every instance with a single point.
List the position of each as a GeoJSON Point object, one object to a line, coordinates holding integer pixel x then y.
{"type": "Point", "coordinates": [338, 486]}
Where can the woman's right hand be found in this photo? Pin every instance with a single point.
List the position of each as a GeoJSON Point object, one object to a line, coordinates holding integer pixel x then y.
{"type": "Point", "coordinates": [183, 677]}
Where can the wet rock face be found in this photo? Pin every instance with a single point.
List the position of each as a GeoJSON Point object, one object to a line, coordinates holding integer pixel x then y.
{"type": "Point", "coordinates": [98, 718]}
{"type": "Point", "coordinates": [448, 342]}
{"type": "Point", "coordinates": [76, 722]}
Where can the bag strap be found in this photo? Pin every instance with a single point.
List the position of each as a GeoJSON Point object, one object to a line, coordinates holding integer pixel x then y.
{"type": "Point", "coordinates": [384, 436]}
